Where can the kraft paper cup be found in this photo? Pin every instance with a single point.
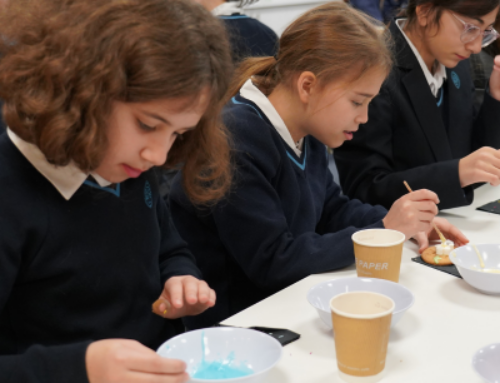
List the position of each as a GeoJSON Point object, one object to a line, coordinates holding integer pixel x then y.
{"type": "Point", "coordinates": [378, 253]}
{"type": "Point", "coordinates": [361, 324]}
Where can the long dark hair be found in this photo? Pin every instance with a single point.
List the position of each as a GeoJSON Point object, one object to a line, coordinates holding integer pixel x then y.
{"type": "Point", "coordinates": [469, 8]}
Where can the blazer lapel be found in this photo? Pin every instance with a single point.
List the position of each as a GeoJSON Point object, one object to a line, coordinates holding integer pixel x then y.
{"type": "Point", "coordinates": [421, 97]}
{"type": "Point", "coordinates": [459, 134]}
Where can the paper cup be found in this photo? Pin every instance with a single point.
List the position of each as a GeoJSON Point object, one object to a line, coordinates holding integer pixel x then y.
{"type": "Point", "coordinates": [378, 253]}
{"type": "Point", "coordinates": [361, 324]}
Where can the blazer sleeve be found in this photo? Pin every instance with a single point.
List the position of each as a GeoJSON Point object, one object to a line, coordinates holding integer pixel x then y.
{"type": "Point", "coordinates": [367, 168]}
{"type": "Point", "coordinates": [487, 123]}
{"type": "Point", "coordinates": [253, 228]}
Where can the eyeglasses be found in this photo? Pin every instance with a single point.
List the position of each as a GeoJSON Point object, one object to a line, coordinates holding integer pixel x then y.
{"type": "Point", "coordinates": [472, 32]}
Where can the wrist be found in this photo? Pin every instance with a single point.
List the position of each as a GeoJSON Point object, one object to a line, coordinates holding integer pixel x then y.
{"type": "Point", "coordinates": [495, 94]}
{"type": "Point", "coordinates": [461, 174]}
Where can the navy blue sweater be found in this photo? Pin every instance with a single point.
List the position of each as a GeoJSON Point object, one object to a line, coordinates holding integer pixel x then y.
{"type": "Point", "coordinates": [249, 37]}
{"type": "Point", "coordinates": [2, 123]}
{"type": "Point", "coordinates": [283, 220]}
{"type": "Point", "coordinates": [80, 270]}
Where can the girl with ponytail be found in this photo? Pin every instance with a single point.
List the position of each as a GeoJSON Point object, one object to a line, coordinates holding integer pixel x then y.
{"type": "Point", "coordinates": [285, 218]}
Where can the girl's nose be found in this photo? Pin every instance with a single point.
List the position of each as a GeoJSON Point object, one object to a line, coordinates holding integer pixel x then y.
{"type": "Point", "coordinates": [156, 152]}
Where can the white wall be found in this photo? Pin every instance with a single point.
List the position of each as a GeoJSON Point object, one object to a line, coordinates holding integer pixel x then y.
{"type": "Point", "coordinates": [277, 14]}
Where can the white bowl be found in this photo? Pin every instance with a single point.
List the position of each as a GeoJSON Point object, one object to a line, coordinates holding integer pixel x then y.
{"type": "Point", "coordinates": [319, 296]}
{"type": "Point", "coordinates": [469, 267]}
{"type": "Point", "coordinates": [486, 362]}
{"type": "Point", "coordinates": [241, 348]}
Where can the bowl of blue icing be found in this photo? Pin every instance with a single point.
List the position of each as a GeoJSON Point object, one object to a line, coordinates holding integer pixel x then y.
{"type": "Point", "coordinates": [224, 354]}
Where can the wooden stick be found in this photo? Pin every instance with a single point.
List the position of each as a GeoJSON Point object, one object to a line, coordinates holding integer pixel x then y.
{"type": "Point", "coordinates": [441, 236]}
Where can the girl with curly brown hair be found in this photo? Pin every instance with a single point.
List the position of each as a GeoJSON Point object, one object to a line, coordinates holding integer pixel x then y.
{"type": "Point", "coordinates": [96, 94]}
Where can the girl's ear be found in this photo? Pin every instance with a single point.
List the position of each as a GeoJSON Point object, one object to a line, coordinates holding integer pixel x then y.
{"type": "Point", "coordinates": [306, 83]}
{"type": "Point", "coordinates": [423, 13]}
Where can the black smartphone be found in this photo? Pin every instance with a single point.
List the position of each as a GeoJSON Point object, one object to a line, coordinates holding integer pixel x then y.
{"type": "Point", "coordinates": [492, 207]}
{"type": "Point", "coordinates": [282, 335]}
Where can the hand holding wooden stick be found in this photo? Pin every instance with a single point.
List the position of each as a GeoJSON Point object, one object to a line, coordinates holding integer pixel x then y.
{"type": "Point", "coordinates": [441, 236]}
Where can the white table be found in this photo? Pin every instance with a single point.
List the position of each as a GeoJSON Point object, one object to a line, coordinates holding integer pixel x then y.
{"type": "Point", "coordinates": [433, 342]}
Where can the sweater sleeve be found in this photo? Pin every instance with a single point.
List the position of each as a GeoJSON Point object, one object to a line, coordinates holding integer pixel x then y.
{"type": "Point", "coordinates": [340, 212]}
{"type": "Point", "coordinates": [175, 257]}
{"type": "Point", "coordinates": [20, 239]}
{"type": "Point", "coordinates": [253, 227]}
{"type": "Point", "coordinates": [56, 364]}
{"type": "Point", "coordinates": [367, 169]}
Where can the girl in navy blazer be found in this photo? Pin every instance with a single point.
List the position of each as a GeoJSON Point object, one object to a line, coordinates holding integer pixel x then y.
{"type": "Point", "coordinates": [423, 127]}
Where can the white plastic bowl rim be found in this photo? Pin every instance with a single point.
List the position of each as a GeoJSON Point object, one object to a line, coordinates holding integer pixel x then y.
{"type": "Point", "coordinates": [454, 256]}
{"type": "Point", "coordinates": [396, 311]}
{"type": "Point", "coordinates": [224, 330]}
{"type": "Point", "coordinates": [474, 362]}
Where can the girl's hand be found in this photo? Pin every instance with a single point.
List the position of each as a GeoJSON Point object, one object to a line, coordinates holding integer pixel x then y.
{"type": "Point", "coordinates": [495, 79]}
{"type": "Point", "coordinates": [184, 295]}
{"type": "Point", "coordinates": [449, 231]}
{"type": "Point", "coordinates": [483, 165]}
{"type": "Point", "coordinates": [128, 361]}
{"type": "Point", "coordinates": [412, 213]}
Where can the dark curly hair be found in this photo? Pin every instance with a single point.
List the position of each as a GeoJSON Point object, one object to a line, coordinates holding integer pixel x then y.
{"type": "Point", "coordinates": [64, 62]}
{"type": "Point", "coordinates": [470, 8]}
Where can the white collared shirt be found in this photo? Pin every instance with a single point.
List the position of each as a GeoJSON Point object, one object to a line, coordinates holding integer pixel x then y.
{"type": "Point", "coordinates": [226, 9]}
{"type": "Point", "coordinates": [66, 179]}
{"type": "Point", "coordinates": [252, 93]}
{"type": "Point", "coordinates": [435, 81]}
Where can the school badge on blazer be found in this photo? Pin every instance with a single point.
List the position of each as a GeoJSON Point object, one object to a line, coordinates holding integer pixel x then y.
{"type": "Point", "coordinates": [455, 79]}
{"type": "Point", "coordinates": [148, 195]}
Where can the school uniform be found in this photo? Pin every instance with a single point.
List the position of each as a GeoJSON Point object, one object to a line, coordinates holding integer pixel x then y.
{"type": "Point", "coordinates": [80, 260]}
{"type": "Point", "coordinates": [419, 127]}
{"type": "Point", "coordinates": [248, 36]}
{"type": "Point", "coordinates": [2, 123]}
{"type": "Point", "coordinates": [381, 10]}
{"type": "Point", "coordinates": [283, 219]}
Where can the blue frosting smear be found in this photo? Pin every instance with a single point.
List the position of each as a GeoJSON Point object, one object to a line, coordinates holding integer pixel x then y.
{"type": "Point", "coordinates": [219, 369]}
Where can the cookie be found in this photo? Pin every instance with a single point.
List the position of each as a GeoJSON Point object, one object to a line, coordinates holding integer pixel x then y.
{"type": "Point", "coordinates": [429, 256]}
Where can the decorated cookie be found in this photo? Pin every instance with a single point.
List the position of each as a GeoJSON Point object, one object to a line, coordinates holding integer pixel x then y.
{"type": "Point", "coordinates": [430, 256]}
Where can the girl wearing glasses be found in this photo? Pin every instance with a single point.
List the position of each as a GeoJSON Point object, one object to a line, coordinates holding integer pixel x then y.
{"type": "Point", "coordinates": [423, 127]}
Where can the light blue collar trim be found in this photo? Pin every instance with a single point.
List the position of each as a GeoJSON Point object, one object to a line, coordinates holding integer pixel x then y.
{"type": "Point", "coordinates": [302, 165]}
{"type": "Point", "coordinates": [234, 17]}
{"type": "Point", "coordinates": [115, 192]}
{"type": "Point", "coordinates": [441, 97]}
{"type": "Point", "coordinates": [235, 101]}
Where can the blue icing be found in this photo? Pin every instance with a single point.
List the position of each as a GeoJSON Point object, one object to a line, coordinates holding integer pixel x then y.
{"type": "Point", "coordinates": [219, 369]}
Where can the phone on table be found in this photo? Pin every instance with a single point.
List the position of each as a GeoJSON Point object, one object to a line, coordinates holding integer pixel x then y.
{"type": "Point", "coordinates": [492, 207]}
{"type": "Point", "coordinates": [282, 335]}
